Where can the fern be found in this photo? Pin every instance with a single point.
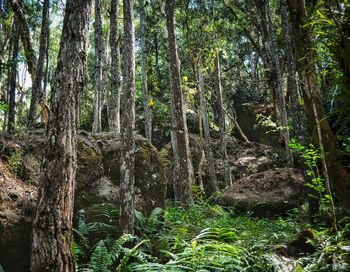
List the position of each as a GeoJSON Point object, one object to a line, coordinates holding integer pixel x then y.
{"type": "Point", "coordinates": [100, 258]}
{"type": "Point", "coordinates": [1, 268]}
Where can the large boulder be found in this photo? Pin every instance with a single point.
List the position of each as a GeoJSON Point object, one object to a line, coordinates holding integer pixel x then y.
{"type": "Point", "coordinates": [266, 193]}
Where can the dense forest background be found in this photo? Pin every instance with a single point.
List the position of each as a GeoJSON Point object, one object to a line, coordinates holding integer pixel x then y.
{"type": "Point", "coordinates": [160, 135]}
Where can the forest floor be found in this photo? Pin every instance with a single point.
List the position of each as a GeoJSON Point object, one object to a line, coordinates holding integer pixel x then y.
{"type": "Point", "coordinates": [208, 237]}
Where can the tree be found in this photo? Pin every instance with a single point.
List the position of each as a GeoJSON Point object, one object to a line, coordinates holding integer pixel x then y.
{"type": "Point", "coordinates": [52, 223]}
{"type": "Point", "coordinates": [127, 170]}
{"type": "Point", "coordinates": [146, 99]}
{"type": "Point", "coordinates": [206, 128]}
{"type": "Point", "coordinates": [16, 31]}
{"type": "Point", "coordinates": [114, 108]}
{"type": "Point", "coordinates": [38, 92]}
{"type": "Point", "coordinates": [322, 135]}
{"type": "Point", "coordinates": [182, 151]}
{"type": "Point", "coordinates": [99, 53]}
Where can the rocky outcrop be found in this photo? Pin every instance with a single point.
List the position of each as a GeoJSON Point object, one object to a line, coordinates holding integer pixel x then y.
{"type": "Point", "coordinates": [266, 193]}
{"type": "Point", "coordinates": [244, 159]}
{"type": "Point", "coordinates": [97, 181]}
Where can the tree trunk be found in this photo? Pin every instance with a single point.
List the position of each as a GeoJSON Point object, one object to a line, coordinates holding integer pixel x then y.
{"type": "Point", "coordinates": [52, 223]}
{"type": "Point", "coordinates": [292, 81]}
{"type": "Point", "coordinates": [114, 108]}
{"type": "Point", "coordinates": [183, 150]}
{"type": "Point", "coordinates": [222, 125]}
{"type": "Point", "coordinates": [16, 31]}
{"type": "Point", "coordinates": [26, 38]}
{"type": "Point", "coordinates": [99, 53]}
{"type": "Point", "coordinates": [37, 89]}
{"type": "Point", "coordinates": [269, 35]}
{"type": "Point", "coordinates": [127, 175]}
{"type": "Point", "coordinates": [146, 98]}
{"type": "Point", "coordinates": [207, 147]}
{"type": "Point", "coordinates": [339, 176]}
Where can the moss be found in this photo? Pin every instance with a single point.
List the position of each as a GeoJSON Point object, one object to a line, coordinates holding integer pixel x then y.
{"type": "Point", "coordinates": [86, 153]}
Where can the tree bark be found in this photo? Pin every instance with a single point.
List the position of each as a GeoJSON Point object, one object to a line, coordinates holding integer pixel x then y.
{"type": "Point", "coordinates": [127, 170]}
{"type": "Point", "coordinates": [183, 150]}
{"type": "Point", "coordinates": [222, 125]}
{"type": "Point", "coordinates": [292, 81]}
{"type": "Point", "coordinates": [26, 38]}
{"type": "Point", "coordinates": [206, 128]}
{"type": "Point", "coordinates": [99, 53]}
{"type": "Point", "coordinates": [37, 89]}
{"type": "Point", "coordinates": [52, 223]}
{"type": "Point", "coordinates": [16, 31]}
{"type": "Point", "coordinates": [114, 113]}
{"type": "Point", "coordinates": [146, 97]}
{"type": "Point", "coordinates": [269, 35]}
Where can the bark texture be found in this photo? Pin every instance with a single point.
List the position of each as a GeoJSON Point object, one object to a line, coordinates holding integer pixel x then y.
{"type": "Point", "coordinates": [52, 224]}
{"type": "Point", "coordinates": [206, 129]}
{"type": "Point", "coordinates": [127, 170]}
{"type": "Point", "coordinates": [291, 63]}
{"type": "Point", "coordinates": [114, 107]}
{"type": "Point", "coordinates": [37, 89]}
{"type": "Point", "coordinates": [99, 53]}
{"type": "Point", "coordinates": [183, 150]}
{"type": "Point", "coordinates": [146, 98]}
{"type": "Point", "coordinates": [221, 119]}
{"type": "Point", "coordinates": [276, 73]}
{"type": "Point", "coordinates": [26, 37]}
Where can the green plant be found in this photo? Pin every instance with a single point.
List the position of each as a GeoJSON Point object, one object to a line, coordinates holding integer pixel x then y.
{"type": "Point", "coordinates": [14, 161]}
{"type": "Point", "coordinates": [311, 157]}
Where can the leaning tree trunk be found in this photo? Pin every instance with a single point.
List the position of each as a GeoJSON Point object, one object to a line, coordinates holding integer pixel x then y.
{"type": "Point", "coordinates": [146, 107]}
{"type": "Point", "coordinates": [338, 174]}
{"type": "Point", "coordinates": [183, 150]}
{"type": "Point", "coordinates": [99, 53]}
{"type": "Point", "coordinates": [26, 37]}
{"type": "Point", "coordinates": [37, 89]}
{"type": "Point", "coordinates": [114, 107]}
{"type": "Point", "coordinates": [205, 120]}
{"type": "Point", "coordinates": [127, 170]}
{"type": "Point", "coordinates": [53, 220]}
{"type": "Point", "coordinates": [16, 31]}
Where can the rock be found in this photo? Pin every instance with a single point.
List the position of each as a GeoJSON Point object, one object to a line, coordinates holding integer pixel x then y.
{"type": "Point", "coordinates": [266, 193]}
{"type": "Point", "coordinates": [17, 204]}
{"type": "Point", "coordinates": [97, 181]}
{"type": "Point", "coordinates": [245, 159]}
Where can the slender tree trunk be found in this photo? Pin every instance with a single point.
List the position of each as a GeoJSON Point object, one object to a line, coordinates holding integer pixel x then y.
{"type": "Point", "coordinates": [16, 31]}
{"type": "Point", "coordinates": [146, 98]}
{"type": "Point", "coordinates": [292, 72]}
{"type": "Point", "coordinates": [127, 170]}
{"type": "Point", "coordinates": [53, 220]}
{"type": "Point", "coordinates": [37, 89]}
{"type": "Point", "coordinates": [99, 53]}
{"type": "Point", "coordinates": [205, 120]}
{"type": "Point", "coordinates": [183, 150]}
{"type": "Point", "coordinates": [222, 125]}
{"type": "Point", "coordinates": [177, 184]}
{"type": "Point", "coordinates": [26, 37]}
{"type": "Point", "coordinates": [268, 31]}
{"type": "Point", "coordinates": [114, 114]}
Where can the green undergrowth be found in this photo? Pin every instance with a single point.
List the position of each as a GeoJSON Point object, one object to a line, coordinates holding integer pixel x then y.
{"type": "Point", "coordinates": [206, 237]}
